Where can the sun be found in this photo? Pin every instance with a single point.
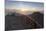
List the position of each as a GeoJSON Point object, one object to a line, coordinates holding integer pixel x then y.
{"type": "Point", "coordinates": [24, 9]}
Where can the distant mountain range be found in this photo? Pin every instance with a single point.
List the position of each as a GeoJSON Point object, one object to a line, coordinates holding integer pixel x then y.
{"type": "Point", "coordinates": [10, 11]}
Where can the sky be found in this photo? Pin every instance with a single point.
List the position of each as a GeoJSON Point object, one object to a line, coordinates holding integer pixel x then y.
{"type": "Point", "coordinates": [23, 6]}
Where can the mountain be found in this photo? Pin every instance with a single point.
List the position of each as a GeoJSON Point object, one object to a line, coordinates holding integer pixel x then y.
{"type": "Point", "coordinates": [17, 21]}
{"type": "Point", "coordinates": [13, 22]}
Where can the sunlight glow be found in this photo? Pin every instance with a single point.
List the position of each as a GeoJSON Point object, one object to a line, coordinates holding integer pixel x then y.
{"type": "Point", "coordinates": [24, 9]}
